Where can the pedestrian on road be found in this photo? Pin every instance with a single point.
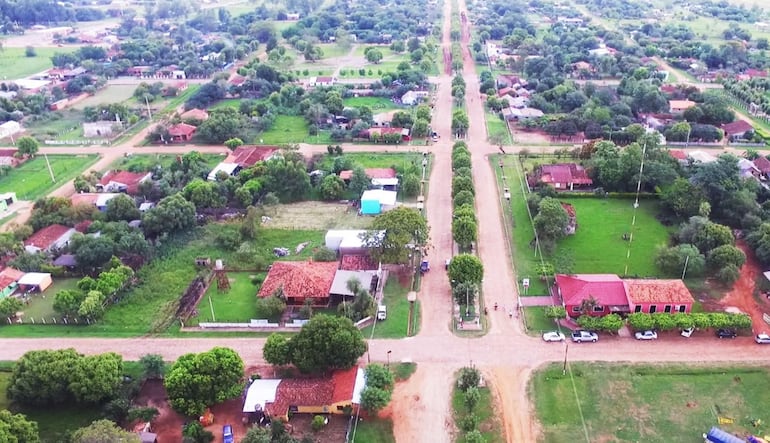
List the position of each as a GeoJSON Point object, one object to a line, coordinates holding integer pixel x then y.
{"type": "Point", "coordinates": [510, 313]}
{"type": "Point", "coordinates": [495, 306]}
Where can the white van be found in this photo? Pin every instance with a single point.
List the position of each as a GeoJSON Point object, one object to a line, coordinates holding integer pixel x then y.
{"type": "Point", "coordinates": [382, 312]}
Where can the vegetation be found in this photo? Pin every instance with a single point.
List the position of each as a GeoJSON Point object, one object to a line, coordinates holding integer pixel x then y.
{"type": "Point", "coordinates": [402, 226]}
{"type": "Point", "coordinates": [379, 388]}
{"type": "Point", "coordinates": [473, 408]}
{"type": "Point", "coordinates": [32, 179]}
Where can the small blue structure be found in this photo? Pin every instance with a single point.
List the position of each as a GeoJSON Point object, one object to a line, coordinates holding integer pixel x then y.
{"type": "Point", "coordinates": [370, 205]}
{"type": "Point", "coordinates": [717, 435]}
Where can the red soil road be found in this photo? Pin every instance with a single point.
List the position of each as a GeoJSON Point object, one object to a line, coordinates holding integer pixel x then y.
{"type": "Point", "coordinates": [742, 294]}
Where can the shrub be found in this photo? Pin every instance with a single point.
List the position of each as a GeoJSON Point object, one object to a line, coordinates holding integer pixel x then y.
{"type": "Point", "coordinates": [469, 378]}
{"type": "Point", "coordinates": [469, 422]}
{"type": "Point", "coordinates": [324, 254]}
{"type": "Point", "coordinates": [270, 307]}
{"type": "Point", "coordinates": [555, 312]}
{"type": "Point", "coordinates": [318, 423]}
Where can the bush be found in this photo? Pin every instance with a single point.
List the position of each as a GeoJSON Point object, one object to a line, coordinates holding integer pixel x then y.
{"type": "Point", "coordinates": [469, 378]}
{"type": "Point", "coordinates": [318, 423]}
{"type": "Point", "coordinates": [324, 254]}
{"type": "Point", "coordinates": [555, 312]}
{"type": "Point", "coordinates": [270, 307]}
{"type": "Point", "coordinates": [469, 422]}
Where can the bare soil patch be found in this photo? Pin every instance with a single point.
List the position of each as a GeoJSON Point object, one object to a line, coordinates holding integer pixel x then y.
{"type": "Point", "coordinates": [316, 215]}
{"type": "Point", "coordinates": [742, 294]}
{"type": "Point", "coordinates": [168, 425]}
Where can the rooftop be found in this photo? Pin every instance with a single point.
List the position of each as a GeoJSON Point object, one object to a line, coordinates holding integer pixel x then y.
{"type": "Point", "coordinates": [657, 291]}
{"type": "Point", "coordinates": [303, 279]}
{"type": "Point", "coordinates": [357, 263]}
{"type": "Point", "coordinates": [607, 289]}
{"type": "Point", "coordinates": [181, 129]}
{"type": "Point", "coordinates": [564, 173]}
{"type": "Point", "coordinates": [47, 236]}
{"type": "Point", "coordinates": [246, 156]}
{"type": "Point", "coordinates": [737, 127]}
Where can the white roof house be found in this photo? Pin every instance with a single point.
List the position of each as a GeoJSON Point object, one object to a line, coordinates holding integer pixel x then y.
{"type": "Point", "coordinates": [337, 239]}
{"type": "Point", "coordinates": [228, 168]}
{"type": "Point", "coordinates": [701, 157]}
{"type": "Point", "coordinates": [39, 280]}
{"type": "Point", "coordinates": [386, 198]}
{"type": "Point", "coordinates": [259, 393]}
{"type": "Point", "coordinates": [385, 181]}
{"type": "Point", "coordinates": [341, 278]}
{"type": "Point", "coordinates": [9, 128]}
{"type": "Point", "coordinates": [413, 97]}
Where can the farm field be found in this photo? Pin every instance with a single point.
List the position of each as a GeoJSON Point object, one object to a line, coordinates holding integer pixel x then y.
{"type": "Point", "coordinates": [110, 94]}
{"type": "Point", "coordinates": [648, 403]}
{"type": "Point", "coordinates": [14, 64]}
{"type": "Point", "coordinates": [31, 180]}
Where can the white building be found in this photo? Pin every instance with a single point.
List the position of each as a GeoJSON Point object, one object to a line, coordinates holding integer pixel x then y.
{"type": "Point", "coordinates": [9, 128]}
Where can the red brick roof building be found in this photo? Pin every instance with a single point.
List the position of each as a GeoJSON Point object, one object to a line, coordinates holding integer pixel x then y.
{"type": "Point", "coordinates": [653, 296]}
{"type": "Point", "coordinates": [678, 154]}
{"type": "Point", "coordinates": [300, 281]}
{"type": "Point", "coordinates": [563, 176]}
{"type": "Point", "coordinates": [357, 263]}
{"type": "Point", "coordinates": [181, 132]}
{"type": "Point", "coordinates": [737, 129]}
{"type": "Point", "coordinates": [48, 238]}
{"type": "Point", "coordinates": [122, 181]}
{"type": "Point", "coordinates": [763, 164]}
{"type": "Point", "coordinates": [248, 156]}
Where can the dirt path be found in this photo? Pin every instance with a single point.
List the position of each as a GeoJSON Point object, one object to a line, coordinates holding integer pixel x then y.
{"type": "Point", "coordinates": [742, 294]}
{"type": "Point", "coordinates": [505, 379]}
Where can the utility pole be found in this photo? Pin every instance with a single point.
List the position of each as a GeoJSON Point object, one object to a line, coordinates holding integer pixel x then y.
{"type": "Point", "coordinates": [50, 171]}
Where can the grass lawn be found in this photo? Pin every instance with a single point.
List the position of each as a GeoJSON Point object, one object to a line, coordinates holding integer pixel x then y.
{"type": "Point", "coordinates": [377, 104]}
{"type": "Point", "coordinates": [149, 307]}
{"type": "Point", "coordinates": [496, 128]}
{"type": "Point", "coordinates": [373, 430]}
{"type": "Point", "coordinates": [31, 180]}
{"type": "Point", "coordinates": [402, 371]}
{"type": "Point", "coordinates": [227, 103]}
{"type": "Point", "coordinates": [237, 305]}
{"type": "Point", "coordinates": [489, 424]}
{"type": "Point", "coordinates": [395, 326]}
{"type": "Point", "coordinates": [41, 305]}
{"type": "Point", "coordinates": [332, 50]}
{"type": "Point", "coordinates": [537, 322]}
{"type": "Point", "coordinates": [57, 125]}
{"type": "Point", "coordinates": [146, 162]}
{"type": "Point", "coordinates": [286, 129]}
{"type": "Point", "coordinates": [110, 94]}
{"type": "Point", "coordinates": [316, 215]}
{"type": "Point", "coordinates": [375, 160]}
{"type": "Point", "coordinates": [648, 403]}
{"type": "Point", "coordinates": [14, 64]}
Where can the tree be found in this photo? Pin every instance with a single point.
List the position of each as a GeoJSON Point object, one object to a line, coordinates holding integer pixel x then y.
{"type": "Point", "coordinates": [462, 184]}
{"type": "Point", "coordinates": [9, 306]}
{"type": "Point", "coordinates": [759, 240]}
{"type": "Point", "coordinates": [203, 194]}
{"type": "Point", "coordinates": [460, 122]}
{"type": "Point", "coordinates": [728, 274]}
{"type": "Point", "coordinates": [464, 293]}
{"type": "Point", "coordinates": [374, 399]}
{"type": "Point", "coordinates": [42, 377]}
{"type": "Point", "coordinates": [153, 366]}
{"type": "Point", "coordinates": [92, 252]}
{"type": "Point", "coordinates": [682, 197]}
{"type": "Point", "coordinates": [410, 185]}
{"type": "Point", "coordinates": [287, 177]}
{"type": "Point", "coordinates": [197, 381]}
{"type": "Point", "coordinates": [222, 124]}
{"type": "Point", "coordinates": [27, 146]}
{"type": "Point", "coordinates": [711, 235]}
{"type": "Point", "coordinates": [172, 214]}
{"type": "Point", "coordinates": [277, 350]}
{"type": "Point", "coordinates": [551, 221]}
{"type": "Point", "coordinates": [373, 55]}
{"type": "Point", "coordinates": [15, 428]}
{"type": "Point", "coordinates": [464, 232]}
{"type": "Point", "coordinates": [470, 377]}
{"type": "Point", "coordinates": [233, 143]}
{"type": "Point", "coordinates": [402, 226]}
{"type": "Point", "coordinates": [465, 268]}
{"type": "Point", "coordinates": [104, 431]}
{"type": "Point", "coordinates": [96, 378]}
{"type": "Point", "coordinates": [122, 207]}
{"type": "Point", "coordinates": [194, 432]}
{"type": "Point", "coordinates": [725, 255]}
{"type": "Point", "coordinates": [332, 187]}
{"type": "Point", "coordinates": [257, 434]}
{"type": "Point", "coordinates": [359, 181]}
{"type": "Point", "coordinates": [463, 198]}
{"type": "Point", "coordinates": [270, 307]}
{"type": "Point", "coordinates": [326, 343]}
{"type": "Point", "coordinates": [471, 398]}
{"type": "Point", "coordinates": [378, 376]}
{"type": "Point", "coordinates": [672, 260]}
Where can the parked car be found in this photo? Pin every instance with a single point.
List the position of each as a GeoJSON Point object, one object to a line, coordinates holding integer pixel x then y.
{"type": "Point", "coordinates": [553, 336]}
{"type": "Point", "coordinates": [762, 339]}
{"type": "Point", "coordinates": [646, 335]}
{"type": "Point", "coordinates": [227, 434]}
{"type": "Point", "coordinates": [382, 312]}
{"type": "Point", "coordinates": [581, 336]}
{"type": "Point", "coordinates": [688, 332]}
{"type": "Point", "coordinates": [424, 266]}
{"type": "Point", "coordinates": [726, 333]}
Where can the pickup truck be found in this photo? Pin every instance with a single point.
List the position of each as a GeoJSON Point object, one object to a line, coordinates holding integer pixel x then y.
{"type": "Point", "coordinates": [581, 336]}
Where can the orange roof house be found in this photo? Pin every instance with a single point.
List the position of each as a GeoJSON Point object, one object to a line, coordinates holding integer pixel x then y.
{"type": "Point", "coordinates": [181, 132]}
{"type": "Point", "coordinates": [679, 106]}
{"type": "Point", "coordinates": [122, 181]}
{"type": "Point", "coordinates": [563, 176]}
{"type": "Point", "coordinates": [658, 296]}
{"type": "Point", "coordinates": [247, 156]}
{"type": "Point", "coordinates": [300, 281]}
{"type": "Point", "coordinates": [48, 238]}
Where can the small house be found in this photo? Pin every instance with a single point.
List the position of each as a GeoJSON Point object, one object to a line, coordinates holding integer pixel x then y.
{"type": "Point", "coordinates": [562, 176]}
{"type": "Point", "coordinates": [349, 241]}
{"type": "Point", "coordinates": [737, 130]}
{"type": "Point", "coordinates": [679, 106]}
{"type": "Point", "coordinates": [411, 98]}
{"type": "Point", "coordinates": [49, 238]}
{"type": "Point", "coordinates": [651, 296]}
{"type": "Point", "coordinates": [591, 294]}
{"type": "Point", "coordinates": [763, 164]}
{"type": "Point", "coordinates": [383, 178]}
{"type": "Point", "coordinates": [521, 114]}
{"type": "Point", "coordinates": [9, 279]}
{"type": "Point", "coordinates": [122, 181]}
{"type": "Point", "coordinates": [321, 81]}
{"type": "Point", "coordinates": [231, 169]}
{"type": "Point", "coordinates": [181, 132]}
{"type": "Point", "coordinates": [102, 128]}
{"type": "Point", "coordinates": [248, 156]}
{"type": "Point", "coordinates": [300, 281]}
{"type": "Point", "coordinates": [377, 201]}
{"type": "Point", "coordinates": [35, 281]}
{"type": "Point", "coordinates": [98, 200]}
{"type": "Point", "coordinates": [9, 128]}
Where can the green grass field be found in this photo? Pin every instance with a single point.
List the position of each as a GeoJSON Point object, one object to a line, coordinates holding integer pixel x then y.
{"type": "Point", "coordinates": [31, 180]}
{"type": "Point", "coordinates": [239, 304]}
{"type": "Point", "coordinates": [537, 322]}
{"type": "Point", "coordinates": [286, 129]}
{"type": "Point", "coordinates": [146, 162]}
{"type": "Point", "coordinates": [41, 305]}
{"type": "Point", "coordinates": [375, 160]}
{"type": "Point", "coordinates": [496, 128]}
{"type": "Point", "coordinates": [377, 104]}
{"type": "Point", "coordinates": [489, 424]}
{"type": "Point", "coordinates": [14, 64]}
{"type": "Point", "coordinates": [373, 431]}
{"type": "Point", "coordinates": [671, 404]}
{"type": "Point", "coordinates": [57, 125]}
{"type": "Point", "coordinates": [227, 103]}
{"type": "Point", "coordinates": [110, 94]}
{"type": "Point", "coordinates": [395, 326]}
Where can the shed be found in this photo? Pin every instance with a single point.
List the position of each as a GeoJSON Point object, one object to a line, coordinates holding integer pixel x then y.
{"type": "Point", "coordinates": [66, 260]}
{"type": "Point", "coordinates": [341, 277]}
{"type": "Point", "coordinates": [148, 437]}
{"type": "Point", "coordinates": [39, 281]}
{"type": "Point", "coordinates": [228, 168]}
{"type": "Point", "coordinates": [259, 393]}
{"type": "Point", "coordinates": [375, 201]}
{"type": "Point", "coordinates": [717, 435]}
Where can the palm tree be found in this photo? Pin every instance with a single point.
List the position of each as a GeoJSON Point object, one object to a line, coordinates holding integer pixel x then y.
{"type": "Point", "coordinates": [587, 305]}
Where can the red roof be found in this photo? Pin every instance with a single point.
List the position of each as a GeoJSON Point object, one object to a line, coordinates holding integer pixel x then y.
{"type": "Point", "coordinates": [237, 80]}
{"type": "Point", "coordinates": [763, 164]}
{"type": "Point", "coordinates": [371, 173]}
{"type": "Point", "coordinates": [8, 152]}
{"type": "Point", "coordinates": [131, 180]}
{"type": "Point", "coordinates": [47, 236]}
{"type": "Point", "coordinates": [314, 391]}
{"type": "Point", "coordinates": [82, 227]}
{"type": "Point", "coordinates": [357, 263]}
{"type": "Point", "coordinates": [12, 273]}
{"type": "Point", "coordinates": [181, 129]}
{"type": "Point", "coordinates": [756, 73]}
{"type": "Point", "coordinates": [658, 292]}
{"type": "Point", "coordinates": [564, 173]}
{"type": "Point", "coordinates": [606, 289]}
{"type": "Point", "coordinates": [6, 281]}
{"type": "Point", "coordinates": [300, 279]}
{"type": "Point", "coordinates": [737, 127]}
{"type": "Point", "coordinates": [247, 156]}
{"type": "Point", "coordinates": [677, 154]}
{"type": "Point", "coordinates": [88, 198]}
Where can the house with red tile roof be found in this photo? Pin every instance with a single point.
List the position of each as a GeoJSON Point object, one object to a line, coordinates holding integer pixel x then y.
{"type": "Point", "coordinates": [355, 262]}
{"type": "Point", "coordinates": [679, 106]}
{"type": "Point", "coordinates": [122, 181]}
{"type": "Point", "coordinates": [248, 156]}
{"type": "Point", "coordinates": [96, 199]}
{"type": "Point", "coordinates": [195, 114]}
{"type": "Point", "coordinates": [653, 296]}
{"type": "Point", "coordinates": [737, 129]}
{"type": "Point", "coordinates": [763, 164]}
{"type": "Point", "coordinates": [8, 281]}
{"type": "Point", "coordinates": [49, 238]}
{"type": "Point", "coordinates": [181, 132]}
{"type": "Point", "coordinates": [611, 294]}
{"type": "Point", "coordinates": [678, 155]}
{"type": "Point", "coordinates": [562, 176]}
{"type": "Point", "coordinates": [338, 394]}
{"type": "Point", "coordinates": [300, 281]}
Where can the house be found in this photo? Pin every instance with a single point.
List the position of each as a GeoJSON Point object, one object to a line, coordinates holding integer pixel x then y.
{"type": "Point", "coordinates": [139, 71]}
{"type": "Point", "coordinates": [520, 114]}
{"type": "Point", "coordinates": [35, 281]}
{"type": "Point", "coordinates": [49, 238]}
{"type": "Point", "coordinates": [248, 156]}
{"type": "Point", "coordinates": [236, 80]}
{"type": "Point", "coordinates": [515, 102]}
{"type": "Point", "coordinates": [292, 16]}
{"type": "Point", "coordinates": [195, 114]}
{"type": "Point", "coordinates": [763, 164]}
{"type": "Point", "coordinates": [277, 398]}
{"type": "Point", "coordinates": [737, 130]}
{"type": "Point", "coordinates": [679, 106]}
{"type": "Point", "coordinates": [381, 177]}
{"type": "Point", "coordinates": [181, 132]}
{"type": "Point", "coordinates": [122, 181]}
{"type": "Point", "coordinates": [747, 169]}
{"type": "Point", "coordinates": [582, 66]}
{"type": "Point", "coordinates": [701, 157]}
{"type": "Point", "coordinates": [300, 281]}
{"type": "Point", "coordinates": [102, 128]}
{"type": "Point", "coordinates": [562, 176]}
{"type": "Point", "coordinates": [510, 80]}
{"type": "Point", "coordinates": [654, 295]}
{"type": "Point", "coordinates": [678, 155]}
{"type": "Point", "coordinates": [411, 98]}
{"type": "Point", "coordinates": [493, 51]}
{"type": "Point", "coordinates": [339, 289]}
{"type": "Point", "coordinates": [66, 261]}
{"type": "Point", "coordinates": [9, 278]}
{"type": "Point", "coordinates": [8, 157]}
{"type": "Point", "coordinates": [321, 81]}
{"type": "Point", "coordinates": [355, 262]}
{"type": "Point", "coordinates": [9, 129]}
{"type": "Point", "coordinates": [376, 201]}
{"type": "Point", "coordinates": [378, 133]}
{"type": "Point", "coordinates": [96, 199]}
{"type": "Point", "coordinates": [607, 290]}
{"type": "Point", "coordinates": [349, 241]}
{"type": "Point", "coordinates": [231, 169]}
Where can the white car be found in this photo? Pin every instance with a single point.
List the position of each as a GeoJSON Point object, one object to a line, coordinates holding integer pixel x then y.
{"type": "Point", "coordinates": [553, 336]}
{"type": "Point", "coordinates": [762, 339]}
{"type": "Point", "coordinates": [646, 335]}
{"type": "Point", "coordinates": [687, 332]}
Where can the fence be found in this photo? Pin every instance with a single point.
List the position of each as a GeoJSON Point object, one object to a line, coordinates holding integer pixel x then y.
{"type": "Point", "coordinates": [74, 321]}
{"type": "Point", "coordinates": [87, 141]}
